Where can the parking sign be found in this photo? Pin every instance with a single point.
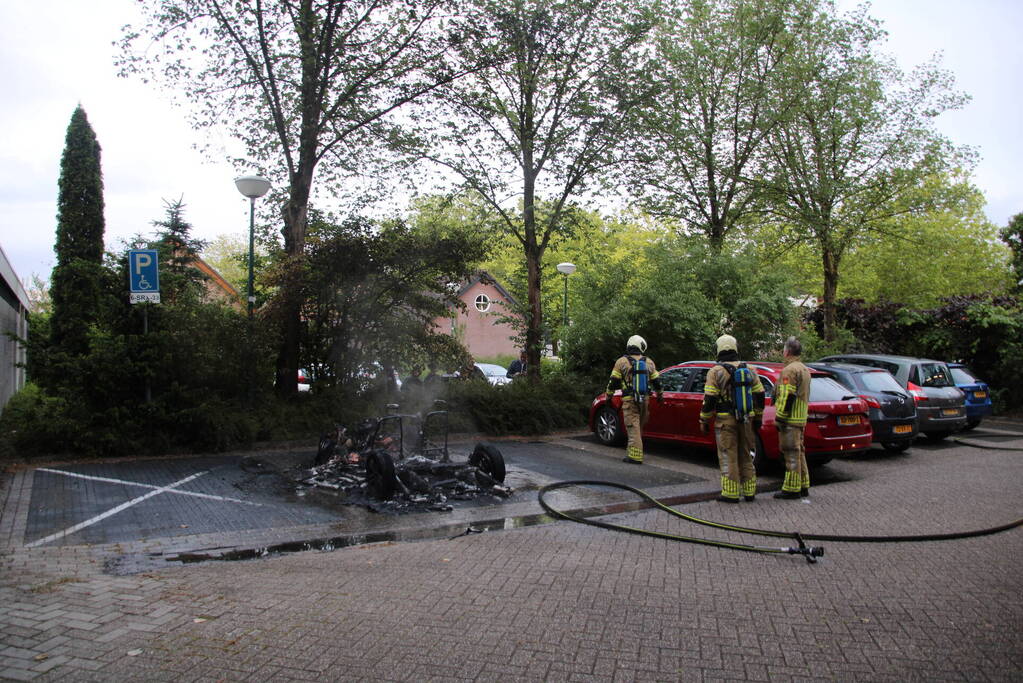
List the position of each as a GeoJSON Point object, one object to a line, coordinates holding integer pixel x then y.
{"type": "Point", "coordinates": [143, 276]}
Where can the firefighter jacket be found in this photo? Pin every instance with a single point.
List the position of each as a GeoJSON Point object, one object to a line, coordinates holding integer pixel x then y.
{"type": "Point", "coordinates": [717, 394]}
{"type": "Point", "coordinates": [621, 376]}
{"type": "Point", "coordinates": [792, 396]}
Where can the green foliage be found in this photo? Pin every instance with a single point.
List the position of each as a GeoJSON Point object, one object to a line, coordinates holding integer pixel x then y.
{"type": "Point", "coordinates": [75, 283]}
{"type": "Point", "coordinates": [521, 407]}
{"type": "Point", "coordinates": [1012, 235]}
{"type": "Point", "coordinates": [920, 259]}
{"type": "Point", "coordinates": [372, 291]}
{"type": "Point", "coordinates": [984, 332]}
{"type": "Point", "coordinates": [680, 305]}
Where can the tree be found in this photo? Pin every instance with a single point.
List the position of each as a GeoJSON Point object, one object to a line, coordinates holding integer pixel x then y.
{"type": "Point", "coordinates": [1012, 234]}
{"type": "Point", "coordinates": [299, 82]}
{"type": "Point", "coordinates": [856, 146]}
{"type": "Point", "coordinates": [725, 82]}
{"type": "Point", "coordinates": [547, 120]}
{"type": "Point", "coordinates": [372, 291]}
{"type": "Point", "coordinates": [76, 280]}
{"type": "Point", "coordinates": [178, 251]}
{"type": "Point", "coordinates": [951, 250]}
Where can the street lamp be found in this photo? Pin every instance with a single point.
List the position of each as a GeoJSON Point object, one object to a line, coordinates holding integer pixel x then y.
{"type": "Point", "coordinates": [253, 187]}
{"type": "Point", "coordinates": [566, 269]}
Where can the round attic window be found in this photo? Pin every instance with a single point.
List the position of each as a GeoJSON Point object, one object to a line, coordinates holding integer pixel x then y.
{"type": "Point", "coordinates": [483, 303]}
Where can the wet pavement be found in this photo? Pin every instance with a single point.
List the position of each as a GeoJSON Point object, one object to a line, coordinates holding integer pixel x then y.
{"type": "Point", "coordinates": [105, 573]}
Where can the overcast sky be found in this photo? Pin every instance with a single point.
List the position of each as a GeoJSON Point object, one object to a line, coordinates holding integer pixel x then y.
{"type": "Point", "coordinates": [56, 54]}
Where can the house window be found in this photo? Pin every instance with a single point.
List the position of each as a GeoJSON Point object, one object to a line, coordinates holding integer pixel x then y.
{"type": "Point", "coordinates": [483, 303]}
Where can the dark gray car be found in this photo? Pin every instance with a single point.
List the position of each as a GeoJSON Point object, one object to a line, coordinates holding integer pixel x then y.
{"type": "Point", "coordinates": [891, 409]}
{"type": "Point", "coordinates": [940, 405]}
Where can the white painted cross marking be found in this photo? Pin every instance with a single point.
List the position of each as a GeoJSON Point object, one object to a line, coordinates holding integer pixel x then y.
{"type": "Point", "coordinates": [124, 506]}
{"type": "Point", "coordinates": [148, 486]}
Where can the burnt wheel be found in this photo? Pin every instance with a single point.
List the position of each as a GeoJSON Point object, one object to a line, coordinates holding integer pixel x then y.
{"type": "Point", "coordinates": [380, 482]}
{"type": "Point", "coordinates": [325, 450]}
{"type": "Point", "coordinates": [608, 426]}
{"type": "Point", "coordinates": [489, 460]}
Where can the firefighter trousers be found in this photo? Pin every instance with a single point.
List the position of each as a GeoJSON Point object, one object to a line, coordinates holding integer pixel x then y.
{"type": "Point", "coordinates": [797, 474]}
{"type": "Point", "coordinates": [636, 417]}
{"type": "Point", "coordinates": [735, 440]}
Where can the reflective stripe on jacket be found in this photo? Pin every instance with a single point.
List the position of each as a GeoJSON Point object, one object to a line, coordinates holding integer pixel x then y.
{"type": "Point", "coordinates": [792, 396]}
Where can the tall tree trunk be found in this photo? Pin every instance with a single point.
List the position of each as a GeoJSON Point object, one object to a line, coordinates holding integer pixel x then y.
{"type": "Point", "coordinates": [831, 261]}
{"type": "Point", "coordinates": [296, 218]}
{"type": "Point", "coordinates": [534, 257]}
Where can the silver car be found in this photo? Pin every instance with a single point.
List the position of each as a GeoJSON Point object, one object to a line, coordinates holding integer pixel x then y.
{"type": "Point", "coordinates": [940, 405]}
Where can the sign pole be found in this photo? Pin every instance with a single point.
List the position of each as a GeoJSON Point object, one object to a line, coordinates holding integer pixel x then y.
{"type": "Point", "coordinates": [144, 288]}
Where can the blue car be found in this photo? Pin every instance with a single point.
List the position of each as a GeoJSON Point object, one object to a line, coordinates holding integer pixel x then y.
{"type": "Point", "coordinates": [978, 395]}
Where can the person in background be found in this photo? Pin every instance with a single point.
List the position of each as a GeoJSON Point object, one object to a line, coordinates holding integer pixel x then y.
{"type": "Point", "coordinates": [517, 367]}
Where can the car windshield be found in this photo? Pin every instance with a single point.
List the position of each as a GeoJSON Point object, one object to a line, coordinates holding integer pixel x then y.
{"type": "Point", "coordinates": [492, 370]}
{"type": "Point", "coordinates": [826, 389]}
{"type": "Point", "coordinates": [879, 381]}
{"type": "Point", "coordinates": [963, 376]}
{"type": "Point", "coordinates": [935, 375]}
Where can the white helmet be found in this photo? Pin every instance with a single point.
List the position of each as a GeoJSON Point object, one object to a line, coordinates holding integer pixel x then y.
{"type": "Point", "coordinates": [636, 341]}
{"type": "Point", "coordinates": [726, 342]}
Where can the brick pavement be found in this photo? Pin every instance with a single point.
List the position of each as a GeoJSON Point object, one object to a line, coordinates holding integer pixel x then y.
{"type": "Point", "coordinates": [564, 601]}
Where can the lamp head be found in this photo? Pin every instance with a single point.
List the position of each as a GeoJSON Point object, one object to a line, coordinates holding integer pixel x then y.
{"type": "Point", "coordinates": [252, 186]}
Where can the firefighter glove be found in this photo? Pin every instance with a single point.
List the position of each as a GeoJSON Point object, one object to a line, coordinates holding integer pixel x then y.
{"type": "Point", "coordinates": [660, 397]}
{"type": "Point", "coordinates": [704, 427]}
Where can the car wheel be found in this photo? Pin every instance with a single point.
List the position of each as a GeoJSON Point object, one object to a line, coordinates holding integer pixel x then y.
{"type": "Point", "coordinates": [895, 446]}
{"type": "Point", "coordinates": [489, 460]}
{"type": "Point", "coordinates": [971, 424]}
{"type": "Point", "coordinates": [609, 427]}
{"type": "Point", "coordinates": [380, 481]}
{"type": "Point", "coordinates": [325, 450]}
{"type": "Point", "coordinates": [936, 436]}
{"type": "Point", "coordinates": [818, 462]}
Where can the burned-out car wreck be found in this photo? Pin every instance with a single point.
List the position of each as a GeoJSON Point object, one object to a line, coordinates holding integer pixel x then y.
{"type": "Point", "coordinates": [401, 462]}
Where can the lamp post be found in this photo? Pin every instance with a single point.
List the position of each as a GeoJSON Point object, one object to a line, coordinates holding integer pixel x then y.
{"type": "Point", "coordinates": [253, 187]}
{"type": "Point", "coordinates": [566, 269]}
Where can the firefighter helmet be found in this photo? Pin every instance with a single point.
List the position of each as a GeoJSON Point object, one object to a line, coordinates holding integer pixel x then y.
{"type": "Point", "coordinates": [636, 342]}
{"type": "Point", "coordinates": [726, 342]}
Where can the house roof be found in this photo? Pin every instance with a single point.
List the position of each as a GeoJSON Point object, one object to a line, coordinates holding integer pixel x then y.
{"type": "Point", "coordinates": [487, 278]}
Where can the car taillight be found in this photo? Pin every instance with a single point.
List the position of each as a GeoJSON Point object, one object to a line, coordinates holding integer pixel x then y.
{"type": "Point", "coordinates": [918, 394]}
{"type": "Point", "coordinates": [871, 401]}
{"type": "Point", "coordinates": [817, 416]}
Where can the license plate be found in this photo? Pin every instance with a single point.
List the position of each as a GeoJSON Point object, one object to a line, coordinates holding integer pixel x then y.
{"type": "Point", "coordinates": [848, 419]}
{"type": "Point", "coordinates": [980, 394]}
{"type": "Point", "coordinates": [950, 411]}
{"type": "Point", "coordinates": [903, 429]}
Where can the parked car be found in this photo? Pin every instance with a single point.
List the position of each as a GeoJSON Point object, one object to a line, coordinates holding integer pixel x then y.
{"type": "Point", "coordinates": [891, 408]}
{"type": "Point", "coordinates": [837, 420]}
{"type": "Point", "coordinates": [494, 373]}
{"type": "Point", "coordinates": [978, 394]}
{"type": "Point", "coordinates": [303, 379]}
{"type": "Point", "coordinates": [940, 405]}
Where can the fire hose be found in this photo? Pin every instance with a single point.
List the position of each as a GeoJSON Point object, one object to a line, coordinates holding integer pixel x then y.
{"type": "Point", "coordinates": [808, 552]}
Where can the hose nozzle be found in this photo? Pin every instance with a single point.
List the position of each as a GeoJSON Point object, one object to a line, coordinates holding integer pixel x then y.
{"type": "Point", "coordinates": [810, 552]}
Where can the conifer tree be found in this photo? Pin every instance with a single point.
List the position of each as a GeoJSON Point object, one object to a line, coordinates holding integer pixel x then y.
{"type": "Point", "coordinates": [77, 277]}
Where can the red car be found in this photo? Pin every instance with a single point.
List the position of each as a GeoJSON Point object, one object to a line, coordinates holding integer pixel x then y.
{"type": "Point", "coordinates": [838, 420]}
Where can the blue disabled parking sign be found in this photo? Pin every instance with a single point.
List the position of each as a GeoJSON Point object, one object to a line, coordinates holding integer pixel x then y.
{"type": "Point", "coordinates": [143, 276]}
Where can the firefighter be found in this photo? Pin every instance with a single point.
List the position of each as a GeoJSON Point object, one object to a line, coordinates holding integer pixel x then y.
{"type": "Point", "coordinates": [637, 377]}
{"type": "Point", "coordinates": [790, 400]}
{"type": "Point", "coordinates": [734, 431]}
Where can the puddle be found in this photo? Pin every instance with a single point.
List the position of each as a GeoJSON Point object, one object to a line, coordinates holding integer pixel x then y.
{"type": "Point", "coordinates": [123, 565]}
